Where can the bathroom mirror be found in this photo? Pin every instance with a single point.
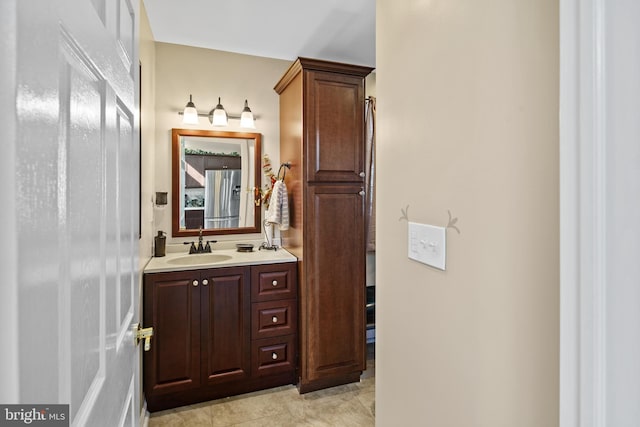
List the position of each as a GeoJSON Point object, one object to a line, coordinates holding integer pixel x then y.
{"type": "Point", "coordinates": [214, 177]}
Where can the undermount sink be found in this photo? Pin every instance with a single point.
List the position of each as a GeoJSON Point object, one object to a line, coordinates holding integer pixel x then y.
{"type": "Point", "coordinates": [199, 259]}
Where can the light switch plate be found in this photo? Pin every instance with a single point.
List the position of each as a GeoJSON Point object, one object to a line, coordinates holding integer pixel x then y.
{"type": "Point", "coordinates": [428, 244]}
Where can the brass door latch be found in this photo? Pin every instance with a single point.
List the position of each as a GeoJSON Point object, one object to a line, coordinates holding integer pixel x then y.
{"type": "Point", "coordinates": [143, 333]}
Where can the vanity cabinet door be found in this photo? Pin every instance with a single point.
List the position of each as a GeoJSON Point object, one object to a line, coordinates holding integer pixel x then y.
{"type": "Point", "coordinates": [226, 325]}
{"type": "Point", "coordinates": [172, 308]}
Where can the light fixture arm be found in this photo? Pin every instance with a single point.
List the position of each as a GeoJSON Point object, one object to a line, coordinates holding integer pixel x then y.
{"type": "Point", "coordinates": [231, 116]}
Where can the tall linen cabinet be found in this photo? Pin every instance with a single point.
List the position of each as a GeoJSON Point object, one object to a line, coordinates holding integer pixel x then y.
{"type": "Point", "coordinates": [322, 137]}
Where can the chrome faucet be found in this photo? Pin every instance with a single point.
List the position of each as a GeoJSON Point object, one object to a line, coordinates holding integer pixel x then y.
{"type": "Point", "coordinates": [200, 249]}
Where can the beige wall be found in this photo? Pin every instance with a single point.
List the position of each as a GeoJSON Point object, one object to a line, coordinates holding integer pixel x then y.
{"type": "Point", "coordinates": [147, 54]}
{"type": "Point", "coordinates": [147, 129]}
{"type": "Point", "coordinates": [468, 122]}
{"type": "Point", "coordinates": [207, 75]}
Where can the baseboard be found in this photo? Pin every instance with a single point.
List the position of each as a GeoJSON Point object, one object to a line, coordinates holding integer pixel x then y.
{"type": "Point", "coordinates": [315, 385]}
{"type": "Point", "coordinates": [144, 415]}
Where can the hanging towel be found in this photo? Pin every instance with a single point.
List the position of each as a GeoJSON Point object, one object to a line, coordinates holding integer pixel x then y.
{"type": "Point", "coordinates": [278, 211]}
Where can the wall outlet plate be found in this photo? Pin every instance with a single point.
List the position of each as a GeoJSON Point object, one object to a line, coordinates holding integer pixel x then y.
{"type": "Point", "coordinates": [428, 244]}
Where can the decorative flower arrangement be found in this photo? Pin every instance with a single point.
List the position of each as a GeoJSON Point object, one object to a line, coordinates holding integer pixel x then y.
{"type": "Point", "coordinates": [268, 188]}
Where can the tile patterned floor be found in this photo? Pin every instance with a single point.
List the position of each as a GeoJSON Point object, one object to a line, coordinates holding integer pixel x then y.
{"type": "Point", "coordinates": [346, 405]}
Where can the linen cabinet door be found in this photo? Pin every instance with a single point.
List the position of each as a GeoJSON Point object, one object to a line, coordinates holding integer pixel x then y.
{"type": "Point", "coordinates": [333, 305]}
{"type": "Point", "coordinates": [172, 308]}
{"type": "Point", "coordinates": [334, 128]}
{"type": "Point", "coordinates": [226, 325]}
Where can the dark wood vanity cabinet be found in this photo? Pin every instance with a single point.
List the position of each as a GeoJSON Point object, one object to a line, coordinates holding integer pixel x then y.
{"type": "Point", "coordinates": [322, 136]}
{"type": "Point", "coordinates": [211, 339]}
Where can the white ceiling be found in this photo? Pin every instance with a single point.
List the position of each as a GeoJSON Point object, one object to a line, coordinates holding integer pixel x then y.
{"type": "Point", "coordinates": [334, 30]}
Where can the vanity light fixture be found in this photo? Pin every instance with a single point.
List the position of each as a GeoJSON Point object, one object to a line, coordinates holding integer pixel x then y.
{"type": "Point", "coordinates": [190, 114]}
{"type": "Point", "coordinates": [246, 118]}
{"type": "Point", "coordinates": [218, 116]}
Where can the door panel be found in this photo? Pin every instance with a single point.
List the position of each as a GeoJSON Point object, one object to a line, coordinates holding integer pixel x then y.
{"type": "Point", "coordinates": [125, 202]}
{"type": "Point", "coordinates": [125, 32]}
{"type": "Point", "coordinates": [76, 157]}
{"type": "Point", "coordinates": [82, 97]}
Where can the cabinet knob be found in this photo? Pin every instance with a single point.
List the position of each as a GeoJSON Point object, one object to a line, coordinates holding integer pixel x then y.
{"type": "Point", "coordinates": [195, 283]}
{"type": "Point", "coordinates": [274, 283]}
{"type": "Point", "coordinates": [274, 356]}
{"type": "Point", "coordinates": [362, 174]}
{"type": "Point", "coordinates": [274, 319]}
{"type": "Point", "coordinates": [205, 282]}
{"type": "Point", "coordinates": [362, 193]}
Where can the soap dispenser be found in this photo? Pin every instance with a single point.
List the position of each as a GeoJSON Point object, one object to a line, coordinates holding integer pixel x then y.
{"type": "Point", "coordinates": [160, 244]}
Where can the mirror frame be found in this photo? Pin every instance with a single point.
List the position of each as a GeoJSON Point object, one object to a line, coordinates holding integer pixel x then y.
{"type": "Point", "coordinates": [176, 231]}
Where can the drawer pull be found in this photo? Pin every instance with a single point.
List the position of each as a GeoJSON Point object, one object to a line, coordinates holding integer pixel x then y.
{"type": "Point", "coordinates": [205, 282]}
{"type": "Point", "coordinates": [274, 283]}
{"type": "Point", "coordinates": [195, 283]}
{"type": "Point", "coordinates": [274, 319]}
{"type": "Point", "coordinates": [274, 356]}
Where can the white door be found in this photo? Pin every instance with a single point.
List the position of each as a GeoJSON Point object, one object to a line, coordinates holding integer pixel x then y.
{"type": "Point", "coordinates": [73, 233]}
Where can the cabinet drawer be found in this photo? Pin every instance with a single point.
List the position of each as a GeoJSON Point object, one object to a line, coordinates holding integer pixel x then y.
{"type": "Point", "coordinates": [273, 355]}
{"type": "Point", "coordinates": [273, 318]}
{"type": "Point", "coordinates": [273, 281]}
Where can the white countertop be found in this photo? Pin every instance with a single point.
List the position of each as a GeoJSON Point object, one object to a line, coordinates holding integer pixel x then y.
{"type": "Point", "coordinates": [264, 256]}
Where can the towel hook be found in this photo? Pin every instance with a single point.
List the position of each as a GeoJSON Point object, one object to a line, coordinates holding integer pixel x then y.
{"type": "Point", "coordinates": [286, 165]}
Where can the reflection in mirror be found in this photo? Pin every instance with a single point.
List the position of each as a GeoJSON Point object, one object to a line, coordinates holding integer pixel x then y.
{"type": "Point", "coordinates": [214, 175]}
